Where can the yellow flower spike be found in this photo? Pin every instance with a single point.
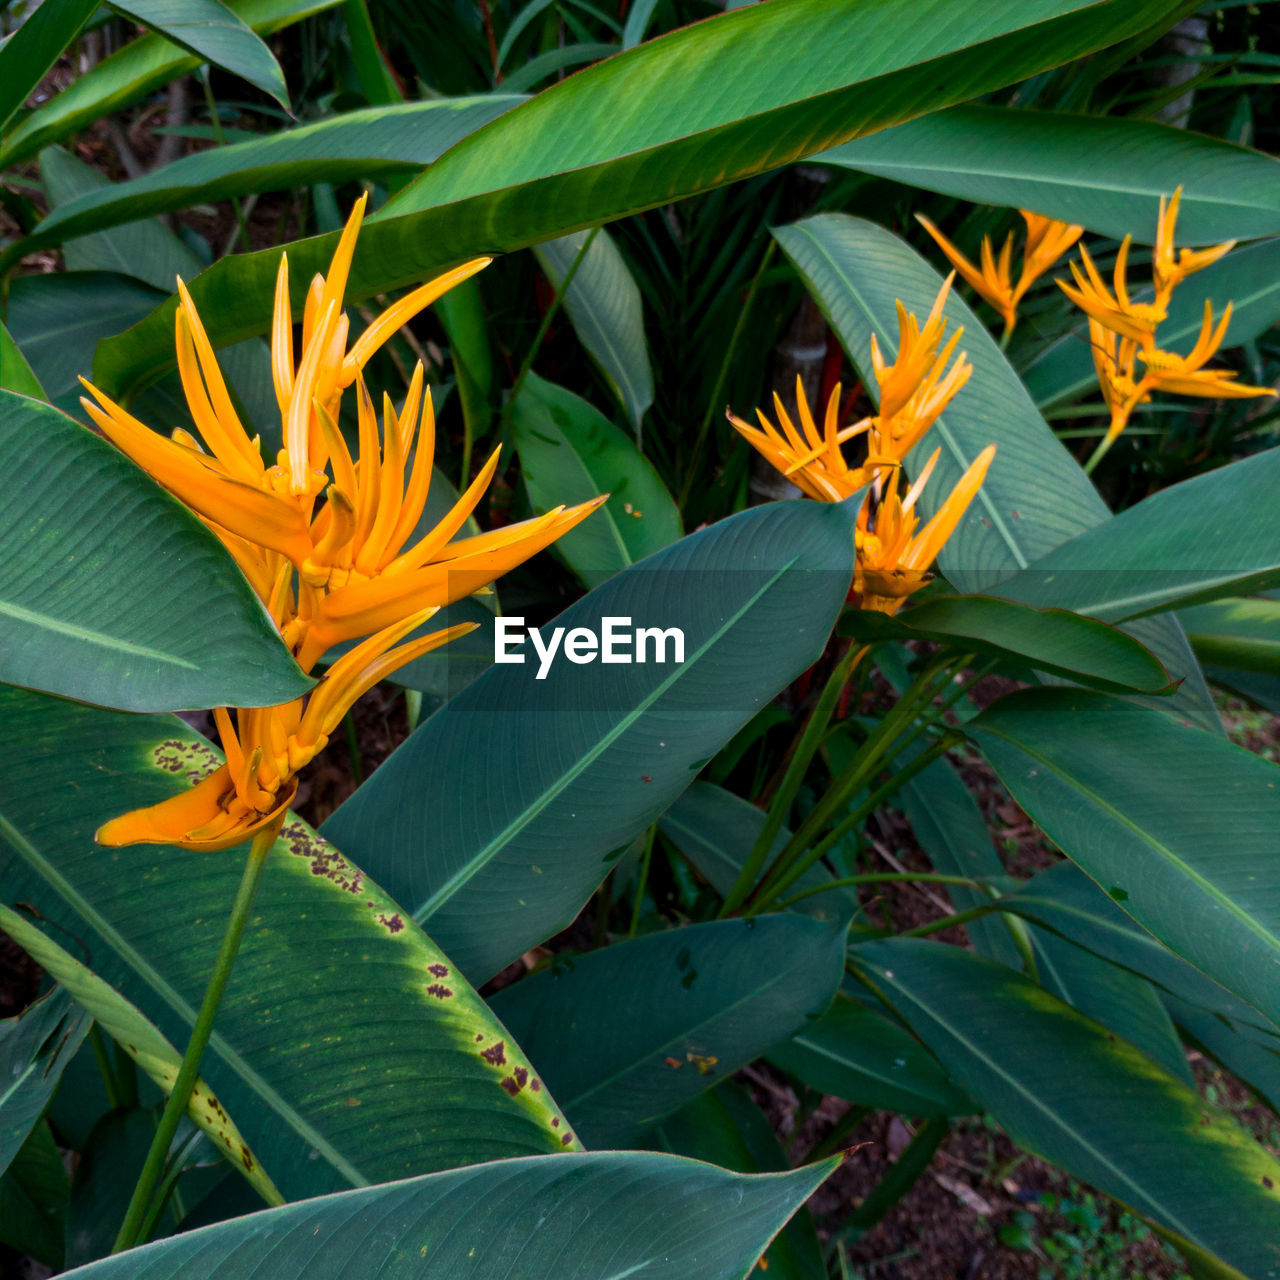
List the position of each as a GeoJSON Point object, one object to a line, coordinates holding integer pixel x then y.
{"type": "Point", "coordinates": [917, 351]}
{"type": "Point", "coordinates": [282, 338]}
{"type": "Point", "coordinates": [419, 487]}
{"type": "Point", "coordinates": [390, 492]}
{"type": "Point", "coordinates": [411, 408]}
{"type": "Point", "coordinates": [1046, 241]}
{"type": "Point", "coordinates": [311, 308]}
{"type": "Point", "coordinates": [297, 426]}
{"type": "Point", "coordinates": [370, 469]}
{"type": "Point", "coordinates": [1136, 320]}
{"type": "Point", "coordinates": [335, 282]}
{"type": "Point", "coordinates": [1168, 271]}
{"type": "Point", "coordinates": [1184, 375]}
{"type": "Point", "coordinates": [402, 311]}
{"type": "Point", "coordinates": [333, 549]}
{"type": "Point", "coordinates": [251, 513]}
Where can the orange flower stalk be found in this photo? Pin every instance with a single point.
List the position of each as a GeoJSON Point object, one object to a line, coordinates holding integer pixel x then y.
{"type": "Point", "coordinates": [892, 558]}
{"type": "Point", "coordinates": [359, 566]}
{"type": "Point", "coordinates": [1046, 242]}
{"type": "Point", "coordinates": [1115, 315]}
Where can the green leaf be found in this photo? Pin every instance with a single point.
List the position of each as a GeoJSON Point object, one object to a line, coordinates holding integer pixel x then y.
{"type": "Point", "coordinates": [1210, 536]}
{"type": "Point", "coordinates": [33, 1199]}
{"type": "Point", "coordinates": [640, 130]}
{"type": "Point", "coordinates": [15, 373]}
{"type": "Point", "coordinates": [132, 73]}
{"type": "Point", "coordinates": [368, 143]}
{"type": "Point", "coordinates": [35, 1048]}
{"type": "Point", "coordinates": [1071, 1092]}
{"type": "Point", "coordinates": [142, 1041]}
{"type": "Point", "coordinates": [60, 318]}
{"type": "Point", "coordinates": [1243, 635]}
{"type": "Point", "coordinates": [147, 251]}
{"type": "Point", "coordinates": [952, 832]}
{"type": "Point", "coordinates": [1052, 640]}
{"type": "Point", "coordinates": [389, 1084]}
{"type": "Point", "coordinates": [1113, 997]}
{"type": "Point", "coordinates": [570, 452]}
{"type": "Point", "coordinates": [1035, 496]}
{"type": "Point", "coordinates": [628, 1034]}
{"type": "Point", "coordinates": [725, 1127]}
{"type": "Point", "coordinates": [1106, 173]}
{"type": "Point", "coordinates": [603, 302]}
{"type": "Point", "coordinates": [1251, 1055]}
{"type": "Point", "coordinates": [29, 52]}
{"type": "Point", "coordinates": [716, 830]}
{"type": "Point", "coordinates": [1177, 825]}
{"type": "Point", "coordinates": [653, 1215]}
{"type": "Point", "coordinates": [461, 313]}
{"type": "Point", "coordinates": [88, 607]}
{"type": "Point", "coordinates": [100, 1189]}
{"type": "Point", "coordinates": [1249, 278]}
{"type": "Point", "coordinates": [214, 33]}
{"type": "Point", "coordinates": [1065, 900]}
{"type": "Point", "coordinates": [563, 772]}
{"type": "Point", "coordinates": [856, 1052]}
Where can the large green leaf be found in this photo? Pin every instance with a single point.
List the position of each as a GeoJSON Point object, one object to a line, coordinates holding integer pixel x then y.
{"type": "Point", "coordinates": [1112, 996]}
{"type": "Point", "coordinates": [604, 1216]}
{"type": "Point", "coordinates": [1035, 496]}
{"type": "Point", "coordinates": [35, 1048]}
{"type": "Point", "coordinates": [33, 1199]}
{"type": "Point", "coordinates": [1243, 635]}
{"type": "Point", "coordinates": [1053, 640]}
{"type": "Point", "coordinates": [716, 829]}
{"type": "Point", "coordinates": [1210, 536]}
{"type": "Point", "coordinates": [348, 1048]}
{"type": "Point", "coordinates": [857, 1052]}
{"type": "Point", "coordinates": [570, 452]}
{"type": "Point", "coordinates": [132, 73]}
{"type": "Point", "coordinates": [1106, 173]}
{"type": "Point", "coordinates": [147, 251]}
{"type": "Point", "coordinates": [1074, 1093]}
{"type": "Point", "coordinates": [366, 143]}
{"type": "Point", "coordinates": [214, 33]}
{"type": "Point", "coordinates": [628, 1034]}
{"type": "Point", "coordinates": [563, 772]}
{"type": "Point", "coordinates": [1066, 901]}
{"type": "Point", "coordinates": [141, 1040]}
{"type": "Point", "coordinates": [726, 1128]}
{"type": "Point", "coordinates": [603, 302]}
{"type": "Point", "coordinates": [1177, 825]}
{"type": "Point", "coordinates": [29, 52]}
{"type": "Point", "coordinates": [107, 584]}
{"type": "Point", "coordinates": [60, 318]}
{"type": "Point", "coordinates": [640, 130]}
{"type": "Point", "coordinates": [1249, 278]}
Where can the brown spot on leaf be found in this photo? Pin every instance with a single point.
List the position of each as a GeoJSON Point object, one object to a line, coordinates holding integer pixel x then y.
{"type": "Point", "coordinates": [440, 992]}
{"type": "Point", "coordinates": [325, 860]}
{"type": "Point", "coordinates": [194, 761]}
{"type": "Point", "coordinates": [438, 970]}
{"type": "Point", "coordinates": [566, 1140]}
{"type": "Point", "coordinates": [522, 1077]}
{"type": "Point", "coordinates": [392, 923]}
{"type": "Point", "coordinates": [509, 1084]}
{"type": "Point", "coordinates": [495, 1055]}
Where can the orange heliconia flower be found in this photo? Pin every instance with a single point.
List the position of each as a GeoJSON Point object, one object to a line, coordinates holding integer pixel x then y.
{"type": "Point", "coordinates": [359, 566]}
{"type": "Point", "coordinates": [1047, 240]}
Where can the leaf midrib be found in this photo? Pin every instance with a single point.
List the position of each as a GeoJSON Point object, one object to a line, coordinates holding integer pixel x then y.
{"type": "Point", "coordinates": [89, 636]}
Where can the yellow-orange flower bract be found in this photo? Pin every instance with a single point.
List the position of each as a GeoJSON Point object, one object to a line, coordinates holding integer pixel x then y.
{"type": "Point", "coordinates": [1047, 240]}
{"type": "Point", "coordinates": [892, 559]}
{"type": "Point", "coordinates": [361, 565]}
{"type": "Point", "coordinates": [1122, 331]}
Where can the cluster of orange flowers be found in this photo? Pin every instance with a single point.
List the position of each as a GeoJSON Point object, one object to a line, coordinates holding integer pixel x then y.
{"type": "Point", "coordinates": [1122, 332]}
{"type": "Point", "coordinates": [893, 555]}
{"type": "Point", "coordinates": [1046, 242]}
{"type": "Point", "coordinates": [359, 566]}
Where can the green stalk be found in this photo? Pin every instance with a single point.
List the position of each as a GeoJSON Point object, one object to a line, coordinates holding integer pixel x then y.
{"type": "Point", "coordinates": [642, 880]}
{"type": "Point", "coordinates": [806, 747]}
{"type": "Point", "coordinates": [785, 879]}
{"type": "Point", "coordinates": [723, 374]}
{"type": "Point", "coordinates": [1099, 453]}
{"type": "Point", "coordinates": [167, 1186]}
{"type": "Point", "coordinates": [948, 922]}
{"type": "Point", "coordinates": [176, 1106]}
{"type": "Point", "coordinates": [536, 344]}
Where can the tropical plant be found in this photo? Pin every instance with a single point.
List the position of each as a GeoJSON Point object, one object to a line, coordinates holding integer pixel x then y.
{"type": "Point", "coordinates": [676, 824]}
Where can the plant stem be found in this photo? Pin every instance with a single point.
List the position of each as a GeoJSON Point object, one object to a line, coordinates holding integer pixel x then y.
{"type": "Point", "coordinates": [180, 1095]}
{"type": "Point", "coordinates": [949, 922]}
{"type": "Point", "coordinates": [172, 1174]}
{"type": "Point", "coordinates": [805, 748]}
{"type": "Point", "coordinates": [885, 877]}
{"type": "Point", "coordinates": [1099, 453]}
{"type": "Point", "coordinates": [723, 374]}
{"type": "Point", "coordinates": [784, 879]}
{"type": "Point", "coordinates": [536, 344]}
{"type": "Point", "coordinates": [642, 880]}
